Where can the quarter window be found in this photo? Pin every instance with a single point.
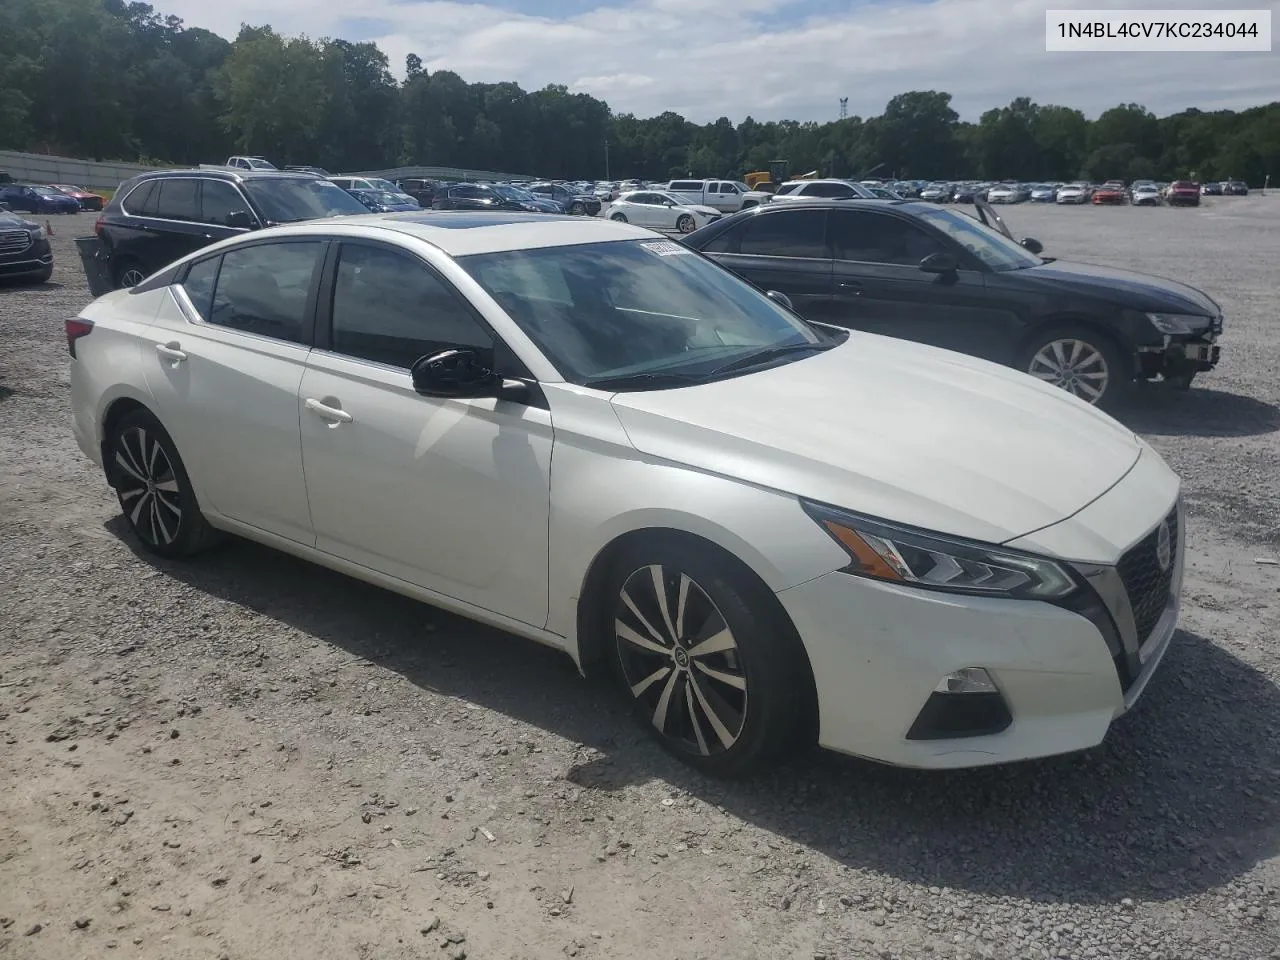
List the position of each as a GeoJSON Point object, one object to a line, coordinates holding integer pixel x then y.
{"type": "Point", "coordinates": [390, 308]}
{"type": "Point", "coordinates": [879, 238]}
{"type": "Point", "coordinates": [199, 284]}
{"type": "Point", "coordinates": [142, 199]}
{"type": "Point", "coordinates": [264, 289]}
{"type": "Point", "coordinates": [787, 233]}
{"type": "Point", "coordinates": [179, 199]}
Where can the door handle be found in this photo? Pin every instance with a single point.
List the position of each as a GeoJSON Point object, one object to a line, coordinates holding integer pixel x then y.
{"type": "Point", "coordinates": [325, 412]}
{"type": "Point", "coordinates": [852, 287]}
{"type": "Point", "coordinates": [170, 351]}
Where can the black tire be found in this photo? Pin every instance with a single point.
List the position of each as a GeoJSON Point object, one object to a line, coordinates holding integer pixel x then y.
{"type": "Point", "coordinates": [153, 488]}
{"type": "Point", "coordinates": [1098, 353]}
{"type": "Point", "coordinates": [686, 224]}
{"type": "Point", "coordinates": [126, 273]}
{"type": "Point", "coordinates": [577, 209]}
{"type": "Point", "coordinates": [618, 217]}
{"type": "Point", "coordinates": [747, 699]}
{"type": "Point", "coordinates": [1181, 381]}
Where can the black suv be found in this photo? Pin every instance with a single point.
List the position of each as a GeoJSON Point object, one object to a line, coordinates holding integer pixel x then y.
{"type": "Point", "coordinates": [156, 218]}
{"type": "Point", "coordinates": [573, 201]}
{"type": "Point", "coordinates": [938, 276]}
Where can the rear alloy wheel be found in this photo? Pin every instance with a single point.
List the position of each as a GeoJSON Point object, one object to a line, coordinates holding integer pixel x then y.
{"type": "Point", "coordinates": [712, 669]}
{"type": "Point", "coordinates": [1079, 361]}
{"type": "Point", "coordinates": [128, 274]}
{"type": "Point", "coordinates": [686, 223]}
{"type": "Point", "coordinates": [619, 217]}
{"type": "Point", "coordinates": [153, 488]}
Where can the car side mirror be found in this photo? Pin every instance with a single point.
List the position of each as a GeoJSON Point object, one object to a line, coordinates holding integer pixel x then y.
{"type": "Point", "coordinates": [777, 296]}
{"type": "Point", "coordinates": [454, 373]}
{"type": "Point", "coordinates": [1034, 245]}
{"type": "Point", "coordinates": [939, 263]}
{"type": "Point", "coordinates": [240, 220]}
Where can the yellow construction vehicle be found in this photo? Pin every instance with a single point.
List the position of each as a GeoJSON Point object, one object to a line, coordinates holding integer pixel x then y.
{"type": "Point", "coordinates": [769, 180]}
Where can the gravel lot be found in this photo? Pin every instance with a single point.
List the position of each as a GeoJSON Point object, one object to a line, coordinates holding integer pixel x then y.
{"type": "Point", "coordinates": [247, 756]}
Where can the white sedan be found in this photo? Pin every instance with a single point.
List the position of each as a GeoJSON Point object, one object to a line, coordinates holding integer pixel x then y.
{"type": "Point", "coordinates": [661, 211]}
{"type": "Point", "coordinates": [597, 438]}
{"type": "Point", "coordinates": [1075, 193]}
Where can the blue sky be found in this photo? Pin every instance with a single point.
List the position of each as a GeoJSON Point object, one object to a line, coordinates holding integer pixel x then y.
{"type": "Point", "coordinates": [772, 59]}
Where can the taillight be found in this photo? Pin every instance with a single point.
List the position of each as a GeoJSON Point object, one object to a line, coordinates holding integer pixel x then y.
{"type": "Point", "coordinates": [75, 330]}
{"type": "Point", "coordinates": [98, 225]}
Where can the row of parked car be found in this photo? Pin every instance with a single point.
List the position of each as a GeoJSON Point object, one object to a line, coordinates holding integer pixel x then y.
{"type": "Point", "coordinates": [48, 198]}
{"type": "Point", "coordinates": [1138, 192]}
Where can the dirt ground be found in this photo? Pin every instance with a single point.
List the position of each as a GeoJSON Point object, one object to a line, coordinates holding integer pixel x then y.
{"type": "Point", "coordinates": [246, 756]}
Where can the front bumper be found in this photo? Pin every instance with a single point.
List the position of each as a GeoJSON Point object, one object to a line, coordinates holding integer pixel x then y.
{"type": "Point", "coordinates": [1179, 356]}
{"type": "Point", "coordinates": [878, 651]}
{"type": "Point", "coordinates": [35, 258]}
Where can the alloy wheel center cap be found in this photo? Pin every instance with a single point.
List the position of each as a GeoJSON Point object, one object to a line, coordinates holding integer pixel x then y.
{"type": "Point", "coordinates": [681, 656]}
{"type": "Point", "coordinates": [151, 486]}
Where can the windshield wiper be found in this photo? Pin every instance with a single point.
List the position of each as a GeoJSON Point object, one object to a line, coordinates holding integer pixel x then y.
{"type": "Point", "coordinates": [767, 354]}
{"type": "Point", "coordinates": [653, 380]}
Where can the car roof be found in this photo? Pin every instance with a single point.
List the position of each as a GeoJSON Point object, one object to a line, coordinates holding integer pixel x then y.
{"type": "Point", "coordinates": [462, 233]}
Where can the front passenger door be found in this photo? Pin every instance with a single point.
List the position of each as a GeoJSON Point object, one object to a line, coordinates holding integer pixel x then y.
{"type": "Point", "coordinates": [449, 494]}
{"type": "Point", "coordinates": [879, 287]}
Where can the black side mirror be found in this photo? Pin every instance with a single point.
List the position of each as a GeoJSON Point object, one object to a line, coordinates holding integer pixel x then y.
{"type": "Point", "coordinates": [454, 373]}
{"type": "Point", "coordinates": [939, 263]}
{"type": "Point", "coordinates": [240, 220]}
{"type": "Point", "coordinates": [778, 296]}
{"type": "Point", "coordinates": [1034, 245]}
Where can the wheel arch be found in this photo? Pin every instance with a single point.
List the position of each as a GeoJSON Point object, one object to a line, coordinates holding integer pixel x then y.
{"type": "Point", "coordinates": [114, 410]}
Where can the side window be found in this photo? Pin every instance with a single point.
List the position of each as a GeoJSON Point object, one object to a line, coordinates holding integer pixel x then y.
{"type": "Point", "coordinates": [787, 233]}
{"type": "Point", "coordinates": [788, 188]}
{"type": "Point", "coordinates": [728, 188]}
{"type": "Point", "coordinates": [685, 186]}
{"type": "Point", "coordinates": [141, 201]}
{"type": "Point", "coordinates": [218, 200]}
{"type": "Point", "coordinates": [199, 284]}
{"type": "Point", "coordinates": [879, 238]}
{"type": "Point", "coordinates": [263, 289]}
{"type": "Point", "coordinates": [178, 199]}
{"type": "Point", "coordinates": [390, 308]}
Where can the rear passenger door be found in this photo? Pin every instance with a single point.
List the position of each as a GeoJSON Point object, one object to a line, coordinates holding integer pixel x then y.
{"type": "Point", "coordinates": [784, 250]}
{"type": "Point", "coordinates": [223, 361]}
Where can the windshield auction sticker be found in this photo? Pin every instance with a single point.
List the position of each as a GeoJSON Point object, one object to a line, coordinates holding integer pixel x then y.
{"type": "Point", "coordinates": [1138, 31]}
{"type": "Point", "coordinates": [665, 248]}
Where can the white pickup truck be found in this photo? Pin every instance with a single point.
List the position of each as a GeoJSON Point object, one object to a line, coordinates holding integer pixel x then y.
{"type": "Point", "coordinates": [727, 196]}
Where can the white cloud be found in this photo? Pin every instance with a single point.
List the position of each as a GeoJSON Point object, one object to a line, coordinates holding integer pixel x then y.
{"type": "Point", "coordinates": [708, 58]}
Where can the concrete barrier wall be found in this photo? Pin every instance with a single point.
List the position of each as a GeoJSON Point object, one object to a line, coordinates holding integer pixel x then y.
{"type": "Point", "coordinates": [91, 174]}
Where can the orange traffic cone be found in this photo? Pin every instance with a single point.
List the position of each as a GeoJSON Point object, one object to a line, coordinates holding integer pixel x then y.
{"type": "Point", "coordinates": [48, 228]}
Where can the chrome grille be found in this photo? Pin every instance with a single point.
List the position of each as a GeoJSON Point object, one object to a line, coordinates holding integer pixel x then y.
{"type": "Point", "coordinates": [14, 241]}
{"type": "Point", "coordinates": [1147, 584]}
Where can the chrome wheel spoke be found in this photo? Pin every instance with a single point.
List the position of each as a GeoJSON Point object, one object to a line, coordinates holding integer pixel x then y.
{"type": "Point", "coordinates": [664, 703]}
{"type": "Point", "coordinates": [624, 632]}
{"type": "Point", "coordinates": [168, 486]}
{"type": "Point", "coordinates": [128, 467]}
{"type": "Point", "coordinates": [631, 605]}
{"type": "Point", "coordinates": [649, 681]}
{"type": "Point", "coordinates": [682, 604]}
{"type": "Point", "coordinates": [718, 642]}
{"type": "Point", "coordinates": [693, 719]}
{"type": "Point", "coordinates": [732, 680]}
{"type": "Point", "coordinates": [717, 724]}
{"type": "Point", "coordinates": [660, 593]}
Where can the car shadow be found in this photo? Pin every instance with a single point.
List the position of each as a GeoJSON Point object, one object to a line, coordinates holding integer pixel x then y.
{"type": "Point", "coordinates": [1183, 796]}
{"type": "Point", "coordinates": [1162, 411]}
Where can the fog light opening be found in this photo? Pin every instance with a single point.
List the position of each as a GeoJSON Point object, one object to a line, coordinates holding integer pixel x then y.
{"type": "Point", "coordinates": [966, 703]}
{"type": "Point", "coordinates": [967, 680]}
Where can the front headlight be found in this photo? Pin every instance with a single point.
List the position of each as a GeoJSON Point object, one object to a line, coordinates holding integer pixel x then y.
{"type": "Point", "coordinates": [1179, 322]}
{"type": "Point", "coordinates": [38, 232]}
{"type": "Point", "coordinates": [897, 554]}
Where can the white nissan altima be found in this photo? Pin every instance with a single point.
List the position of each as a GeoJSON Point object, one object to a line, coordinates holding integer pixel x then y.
{"type": "Point", "coordinates": [769, 531]}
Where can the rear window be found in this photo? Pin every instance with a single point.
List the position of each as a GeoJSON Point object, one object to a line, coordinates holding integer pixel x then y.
{"type": "Point", "coordinates": [141, 200]}
{"type": "Point", "coordinates": [179, 199]}
{"type": "Point", "coordinates": [685, 185]}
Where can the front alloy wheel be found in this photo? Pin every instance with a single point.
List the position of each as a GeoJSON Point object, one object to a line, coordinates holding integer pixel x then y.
{"type": "Point", "coordinates": [680, 660]}
{"type": "Point", "coordinates": [686, 224]}
{"type": "Point", "coordinates": [1077, 365]}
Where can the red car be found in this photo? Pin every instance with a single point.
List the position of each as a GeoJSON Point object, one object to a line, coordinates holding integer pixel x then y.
{"type": "Point", "coordinates": [1109, 192]}
{"type": "Point", "coordinates": [88, 201]}
{"type": "Point", "coordinates": [1183, 193]}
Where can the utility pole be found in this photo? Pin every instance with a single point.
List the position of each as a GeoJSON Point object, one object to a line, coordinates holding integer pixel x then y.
{"type": "Point", "coordinates": [606, 158]}
{"type": "Point", "coordinates": [844, 108]}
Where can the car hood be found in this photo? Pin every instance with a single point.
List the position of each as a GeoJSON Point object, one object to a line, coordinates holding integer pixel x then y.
{"type": "Point", "coordinates": [896, 430]}
{"type": "Point", "coordinates": [1137, 291]}
{"type": "Point", "coordinates": [704, 211]}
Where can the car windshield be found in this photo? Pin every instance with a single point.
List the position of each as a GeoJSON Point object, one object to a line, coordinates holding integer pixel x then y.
{"type": "Point", "coordinates": [48, 192]}
{"type": "Point", "coordinates": [383, 196]}
{"type": "Point", "coordinates": [288, 199]}
{"type": "Point", "coordinates": [990, 246]}
{"type": "Point", "coordinates": [379, 184]}
{"type": "Point", "coordinates": [637, 308]}
{"type": "Point", "coordinates": [257, 163]}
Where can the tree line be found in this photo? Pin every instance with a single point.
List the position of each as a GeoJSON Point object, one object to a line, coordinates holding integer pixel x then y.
{"type": "Point", "coordinates": [106, 79]}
